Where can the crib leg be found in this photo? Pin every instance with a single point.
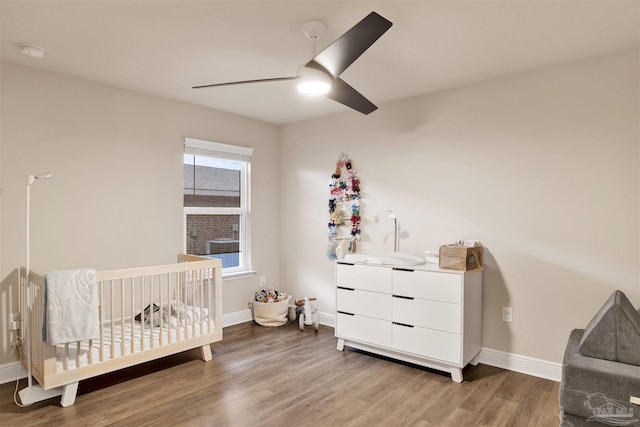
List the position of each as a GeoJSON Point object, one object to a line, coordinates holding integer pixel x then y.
{"type": "Point", "coordinates": [69, 392]}
{"type": "Point", "coordinates": [35, 393]}
{"type": "Point", "coordinates": [205, 352]}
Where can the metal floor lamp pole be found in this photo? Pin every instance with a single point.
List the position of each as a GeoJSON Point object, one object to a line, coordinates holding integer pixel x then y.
{"type": "Point", "coordinates": [32, 393]}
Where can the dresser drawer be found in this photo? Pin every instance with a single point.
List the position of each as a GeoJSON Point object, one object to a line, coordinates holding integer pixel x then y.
{"type": "Point", "coordinates": [442, 316]}
{"type": "Point", "coordinates": [368, 278]}
{"type": "Point", "coordinates": [364, 329]}
{"type": "Point", "coordinates": [427, 342]}
{"type": "Point", "coordinates": [366, 303]}
{"type": "Point", "coordinates": [435, 286]}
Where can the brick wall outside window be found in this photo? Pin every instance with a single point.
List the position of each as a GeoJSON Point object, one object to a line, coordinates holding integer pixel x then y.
{"type": "Point", "coordinates": [210, 227]}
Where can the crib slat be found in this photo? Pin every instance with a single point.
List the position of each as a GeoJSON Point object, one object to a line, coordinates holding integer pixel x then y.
{"type": "Point", "coordinates": [198, 306]}
{"type": "Point", "coordinates": [205, 301]}
{"type": "Point", "coordinates": [185, 281]}
{"type": "Point", "coordinates": [111, 324]}
{"type": "Point", "coordinates": [142, 316]}
{"type": "Point", "coordinates": [78, 353]}
{"type": "Point", "coordinates": [66, 357]}
{"type": "Point", "coordinates": [151, 314]}
{"type": "Point", "coordinates": [205, 305]}
{"type": "Point", "coordinates": [213, 313]}
{"type": "Point", "coordinates": [101, 310]}
{"type": "Point", "coordinates": [179, 280]}
{"type": "Point", "coordinates": [122, 317]}
{"type": "Point", "coordinates": [209, 293]}
{"type": "Point", "coordinates": [149, 342]}
{"type": "Point", "coordinates": [132, 299]}
{"type": "Point", "coordinates": [195, 287]}
{"type": "Point", "coordinates": [189, 286]}
{"type": "Point", "coordinates": [205, 281]}
{"type": "Point", "coordinates": [161, 305]}
{"type": "Point", "coordinates": [169, 287]}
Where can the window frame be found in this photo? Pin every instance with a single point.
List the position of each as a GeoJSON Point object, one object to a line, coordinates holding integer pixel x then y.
{"type": "Point", "coordinates": [242, 155]}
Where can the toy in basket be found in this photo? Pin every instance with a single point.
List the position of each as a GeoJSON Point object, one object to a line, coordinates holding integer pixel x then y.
{"type": "Point", "coordinates": [307, 316]}
{"type": "Point", "coordinates": [270, 307]}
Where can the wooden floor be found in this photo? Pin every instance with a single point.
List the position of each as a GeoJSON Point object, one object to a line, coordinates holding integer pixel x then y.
{"type": "Point", "coordinates": [283, 377]}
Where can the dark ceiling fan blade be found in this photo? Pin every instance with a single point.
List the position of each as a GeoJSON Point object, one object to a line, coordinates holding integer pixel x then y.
{"type": "Point", "coordinates": [343, 52]}
{"type": "Point", "coordinates": [242, 82]}
{"type": "Point", "coordinates": [346, 95]}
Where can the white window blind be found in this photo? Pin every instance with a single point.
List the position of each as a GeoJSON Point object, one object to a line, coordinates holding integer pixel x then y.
{"type": "Point", "coordinates": [218, 150]}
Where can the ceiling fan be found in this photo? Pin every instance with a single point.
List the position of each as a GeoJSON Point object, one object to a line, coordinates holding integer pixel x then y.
{"type": "Point", "coordinates": [334, 60]}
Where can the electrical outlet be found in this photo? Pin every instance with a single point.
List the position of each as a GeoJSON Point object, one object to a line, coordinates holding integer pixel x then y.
{"type": "Point", "coordinates": [507, 314]}
{"type": "Point", "coordinates": [14, 322]}
{"type": "Point", "coordinates": [263, 280]}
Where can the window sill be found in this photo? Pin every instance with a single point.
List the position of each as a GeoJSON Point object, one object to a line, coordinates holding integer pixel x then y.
{"type": "Point", "coordinates": [237, 275]}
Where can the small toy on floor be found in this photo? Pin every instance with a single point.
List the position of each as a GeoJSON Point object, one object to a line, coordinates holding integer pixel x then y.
{"type": "Point", "coordinates": [306, 315]}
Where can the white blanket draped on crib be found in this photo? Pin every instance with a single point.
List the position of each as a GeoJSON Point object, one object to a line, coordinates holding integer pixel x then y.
{"type": "Point", "coordinates": [71, 306]}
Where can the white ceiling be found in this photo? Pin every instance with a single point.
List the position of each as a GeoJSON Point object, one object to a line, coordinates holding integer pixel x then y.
{"type": "Point", "coordinates": [163, 48]}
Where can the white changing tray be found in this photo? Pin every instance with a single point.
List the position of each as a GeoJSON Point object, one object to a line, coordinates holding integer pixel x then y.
{"type": "Point", "coordinates": [385, 258]}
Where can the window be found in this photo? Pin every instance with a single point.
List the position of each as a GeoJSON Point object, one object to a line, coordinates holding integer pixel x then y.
{"type": "Point", "coordinates": [216, 203]}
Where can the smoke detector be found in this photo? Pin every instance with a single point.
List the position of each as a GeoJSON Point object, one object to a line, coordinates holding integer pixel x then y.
{"type": "Point", "coordinates": [32, 50]}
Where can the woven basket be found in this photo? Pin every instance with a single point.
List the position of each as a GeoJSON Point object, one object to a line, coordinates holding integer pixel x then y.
{"type": "Point", "coordinates": [271, 313]}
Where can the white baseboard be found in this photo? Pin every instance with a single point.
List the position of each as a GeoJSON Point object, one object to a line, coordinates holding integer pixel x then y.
{"type": "Point", "coordinates": [236, 317]}
{"type": "Point", "coordinates": [519, 363]}
{"type": "Point", "coordinates": [9, 372]}
{"type": "Point", "coordinates": [242, 316]}
{"type": "Point", "coordinates": [327, 319]}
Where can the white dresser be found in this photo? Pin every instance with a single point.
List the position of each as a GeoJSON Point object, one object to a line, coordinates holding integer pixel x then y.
{"type": "Point", "coordinates": [423, 314]}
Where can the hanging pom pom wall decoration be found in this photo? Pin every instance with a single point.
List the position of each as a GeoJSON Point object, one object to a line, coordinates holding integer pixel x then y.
{"type": "Point", "coordinates": [344, 209]}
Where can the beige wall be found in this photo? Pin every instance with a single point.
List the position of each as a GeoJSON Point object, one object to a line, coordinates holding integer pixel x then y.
{"type": "Point", "coordinates": [542, 168]}
{"type": "Point", "coordinates": [116, 196]}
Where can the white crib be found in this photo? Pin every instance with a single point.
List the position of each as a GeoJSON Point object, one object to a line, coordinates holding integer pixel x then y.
{"type": "Point", "coordinates": [193, 284]}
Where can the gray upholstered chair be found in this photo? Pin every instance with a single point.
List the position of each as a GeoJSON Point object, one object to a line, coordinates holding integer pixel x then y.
{"type": "Point", "coordinates": [601, 369]}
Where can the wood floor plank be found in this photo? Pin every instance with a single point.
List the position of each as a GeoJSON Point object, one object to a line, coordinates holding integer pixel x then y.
{"type": "Point", "coordinates": [485, 390]}
{"type": "Point", "coordinates": [284, 377]}
{"type": "Point", "coordinates": [498, 412]}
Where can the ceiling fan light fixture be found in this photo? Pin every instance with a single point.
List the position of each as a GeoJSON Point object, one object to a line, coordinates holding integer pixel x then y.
{"type": "Point", "coordinates": [314, 87]}
{"type": "Point", "coordinates": [313, 82]}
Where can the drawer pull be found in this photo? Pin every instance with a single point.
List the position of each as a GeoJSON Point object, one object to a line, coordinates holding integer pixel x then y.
{"type": "Point", "coordinates": [403, 297]}
{"type": "Point", "coordinates": [346, 289]}
{"type": "Point", "coordinates": [409, 270]}
{"type": "Point", "coordinates": [403, 324]}
{"type": "Point", "coordinates": [344, 312]}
